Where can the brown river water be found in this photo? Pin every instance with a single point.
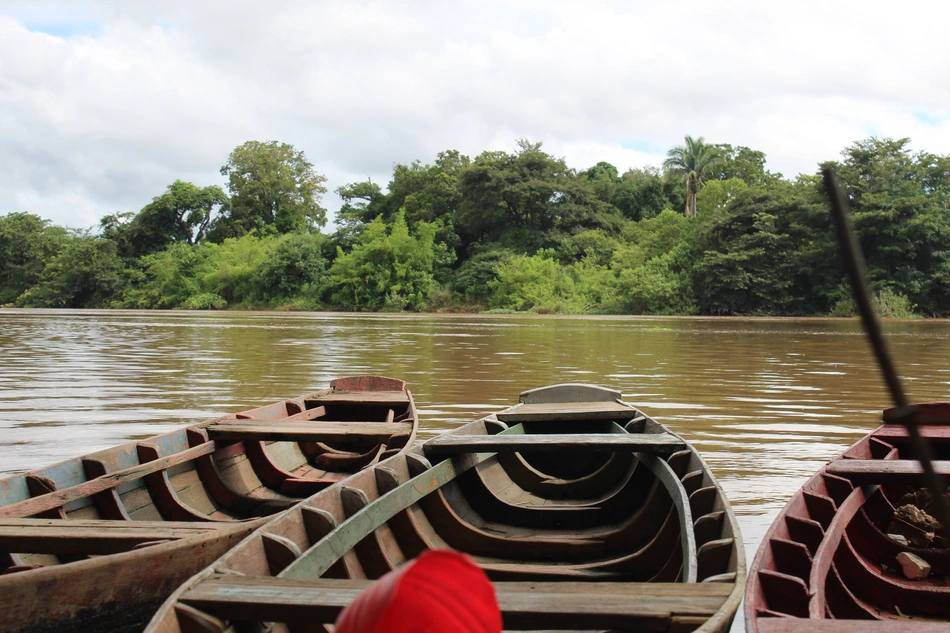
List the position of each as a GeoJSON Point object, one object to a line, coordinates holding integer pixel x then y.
{"type": "Point", "coordinates": [766, 401]}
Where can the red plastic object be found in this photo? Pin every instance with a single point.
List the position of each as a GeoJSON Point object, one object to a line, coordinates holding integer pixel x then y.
{"type": "Point", "coordinates": [440, 591]}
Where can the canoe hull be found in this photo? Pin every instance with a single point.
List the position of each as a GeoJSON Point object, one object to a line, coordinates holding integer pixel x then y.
{"type": "Point", "coordinates": [827, 562]}
{"type": "Point", "coordinates": [98, 542]}
{"type": "Point", "coordinates": [604, 542]}
{"type": "Point", "coordinates": [114, 593]}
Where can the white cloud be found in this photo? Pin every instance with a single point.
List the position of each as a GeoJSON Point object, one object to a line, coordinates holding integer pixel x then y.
{"type": "Point", "coordinates": [103, 104]}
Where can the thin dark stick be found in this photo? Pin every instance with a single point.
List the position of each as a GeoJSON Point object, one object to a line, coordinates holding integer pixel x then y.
{"type": "Point", "coordinates": [857, 277]}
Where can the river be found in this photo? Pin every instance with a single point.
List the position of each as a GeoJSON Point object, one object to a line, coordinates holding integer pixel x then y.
{"type": "Point", "coordinates": [766, 401]}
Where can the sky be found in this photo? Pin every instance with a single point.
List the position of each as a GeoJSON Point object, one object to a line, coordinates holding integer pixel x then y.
{"type": "Point", "coordinates": [103, 104]}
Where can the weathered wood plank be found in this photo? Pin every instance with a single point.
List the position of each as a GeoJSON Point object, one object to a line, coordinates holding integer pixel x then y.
{"type": "Point", "coordinates": [367, 383]}
{"type": "Point", "coordinates": [306, 432]}
{"type": "Point", "coordinates": [59, 536]}
{"type": "Point", "coordinates": [561, 411]}
{"type": "Point", "coordinates": [897, 433]}
{"type": "Point", "coordinates": [925, 413]}
{"type": "Point", "coordinates": [29, 507]}
{"type": "Point", "coordinates": [453, 444]}
{"type": "Point", "coordinates": [883, 471]}
{"type": "Point", "coordinates": [524, 605]}
{"type": "Point", "coordinates": [569, 392]}
{"type": "Point", "coordinates": [361, 397]}
{"type": "Point", "coordinates": [798, 625]}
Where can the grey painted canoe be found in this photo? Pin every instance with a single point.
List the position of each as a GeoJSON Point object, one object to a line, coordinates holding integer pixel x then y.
{"type": "Point", "coordinates": [584, 512]}
{"type": "Point", "coordinates": [97, 543]}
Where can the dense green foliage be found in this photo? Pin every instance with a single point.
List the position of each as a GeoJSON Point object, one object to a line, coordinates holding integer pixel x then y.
{"type": "Point", "coordinates": [713, 233]}
{"type": "Point", "coordinates": [388, 269]}
{"type": "Point", "coordinates": [27, 243]}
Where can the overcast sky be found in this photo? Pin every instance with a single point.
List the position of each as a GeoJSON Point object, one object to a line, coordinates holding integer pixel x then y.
{"type": "Point", "coordinates": [104, 104]}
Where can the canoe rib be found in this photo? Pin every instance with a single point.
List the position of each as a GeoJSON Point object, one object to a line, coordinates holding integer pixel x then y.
{"type": "Point", "coordinates": [824, 557]}
{"type": "Point", "coordinates": [51, 500]}
{"type": "Point", "coordinates": [225, 495]}
{"type": "Point", "coordinates": [318, 559]}
{"type": "Point", "coordinates": [163, 493]}
{"type": "Point", "coordinates": [674, 486]}
{"type": "Point", "coordinates": [108, 502]}
{"type": "Point", "coordinates": [514, 440]}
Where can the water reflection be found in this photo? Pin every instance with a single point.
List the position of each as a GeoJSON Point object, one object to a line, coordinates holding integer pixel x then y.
{"type": "Point", "coordinates": [767, 401]}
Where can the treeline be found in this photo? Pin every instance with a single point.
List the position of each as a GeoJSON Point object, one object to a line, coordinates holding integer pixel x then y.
{"type": "Point", "coordinates": [711, 232]}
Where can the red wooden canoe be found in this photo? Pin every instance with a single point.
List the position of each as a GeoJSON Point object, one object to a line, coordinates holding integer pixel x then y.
{"type": "Point", "coordinates": [827, 564]}
{"type": "Point", "coordinates": [97, 542]}
{"type": "Point", "coordinates": [586, 515]}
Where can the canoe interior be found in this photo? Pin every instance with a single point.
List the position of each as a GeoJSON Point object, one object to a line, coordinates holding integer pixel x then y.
{"type": "Point", "coordinates": [827, 564]}
{"type": "Point", "coordinates": [588, 539]}
{"type": "Point", "coordinates": [194, 492]}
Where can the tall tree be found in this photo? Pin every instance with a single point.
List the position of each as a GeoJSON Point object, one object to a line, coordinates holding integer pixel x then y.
{"type": "Point", "coordinates": [272, 185]}
{"type": "Point", "coordinates": [182, 214]}
{"type": "Point", "coordinates": [693, 162]}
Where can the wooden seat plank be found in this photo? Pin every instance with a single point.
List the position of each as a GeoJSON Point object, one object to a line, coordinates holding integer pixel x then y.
{"type": "Point", "coordinates": [360, 397]}
{"type": "Point", "coordinates": [897, 433]}
{"type": "Point", "coordinates": [452, 444]}
{"type": "Point", "coordinates": [799, 625]}
{"type": "Point", "coordinates": [566, 411]}
{"type": "Point", "coordinates": [99, 537]}
{"type": "Point", "coordinates": [883, 471]}
{"type": "Point", "coordinates": [524, 605]}
{"type": "Point", "coordinates": [307, 432]}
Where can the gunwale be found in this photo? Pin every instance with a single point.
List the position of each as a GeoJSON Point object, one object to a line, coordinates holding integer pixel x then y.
{"type": "Point", "coordinates": [826, 564]}
{"type": "Point", "coordinates": [379, 518]}
{"type": "Point", "coordinates": [116, 579]}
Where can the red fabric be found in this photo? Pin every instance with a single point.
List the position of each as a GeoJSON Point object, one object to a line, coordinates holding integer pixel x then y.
{"type": "Point", "coordinates": [441, 591]}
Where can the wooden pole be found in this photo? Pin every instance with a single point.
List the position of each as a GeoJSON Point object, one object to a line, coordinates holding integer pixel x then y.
{"type": "Point", "coordinates": [855, 266]}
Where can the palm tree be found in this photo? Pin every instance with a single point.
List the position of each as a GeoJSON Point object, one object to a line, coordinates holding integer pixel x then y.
{"type": "Point", "coordinates": [693, 162]}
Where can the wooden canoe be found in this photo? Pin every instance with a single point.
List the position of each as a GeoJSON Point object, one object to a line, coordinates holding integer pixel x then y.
{"type": "Point", "coordinates": [827, 564]}
{"type": "Point", "coordinates": [98, 542]}
{"type": "Point", "coordinates": [585, 513]}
